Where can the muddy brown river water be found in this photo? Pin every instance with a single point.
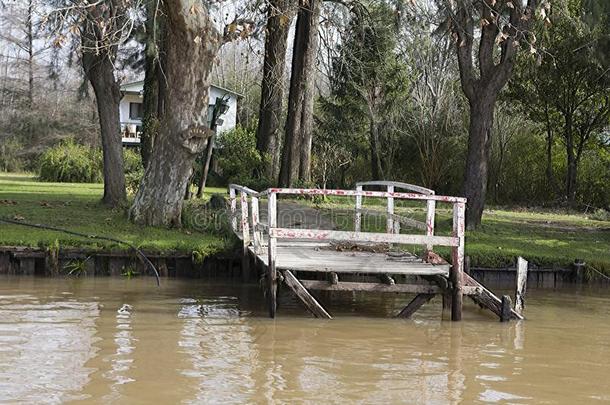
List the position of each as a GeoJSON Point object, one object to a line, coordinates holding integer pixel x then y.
{"type": "Point", "coordinates": [108, 340]}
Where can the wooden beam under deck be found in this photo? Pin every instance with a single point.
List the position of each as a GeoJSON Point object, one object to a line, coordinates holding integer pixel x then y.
{"type": "Point", "coordinates": [306, 298]}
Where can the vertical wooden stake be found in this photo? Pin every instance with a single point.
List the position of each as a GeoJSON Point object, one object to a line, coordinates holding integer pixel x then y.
{"type": "Point", "coordinates": [233, 202]}
{"type": "Point", "coordinates": [256, 233]}
{"type": "Point", "coordinates": [521, 285]}
{"type": "Point", "coordinates": [430, 214]}
{"type": "Point", "coordinates": [390, 212]}
{"type": "Point", "coordinates": [507, 305]}
{"type": "Point", "coordinates": [271, 270]}
{"type": "Point", "coordinates": [358, 213]}
{"type": "Point", "coordinates": [457, 267]}
{"type": "Point", "coordinates": [245, 230]}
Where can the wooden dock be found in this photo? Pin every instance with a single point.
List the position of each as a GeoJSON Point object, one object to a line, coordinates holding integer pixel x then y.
{"type": "Point", "coordinates": [322, 259]}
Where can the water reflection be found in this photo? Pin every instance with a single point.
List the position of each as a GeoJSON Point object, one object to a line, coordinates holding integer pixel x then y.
{"type": "Point", "coordinates": [44, 345]}
{"type": "Point", "coordinates": [133, 344]}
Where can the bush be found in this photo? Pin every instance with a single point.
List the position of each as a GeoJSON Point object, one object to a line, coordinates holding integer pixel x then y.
{"type": "Point", "coordinates": [238, 158]}
{"type": "Point", "coordinates": [9, 161]}
{"type": "Point", "coordinates": [70, 162]}
{"type": "Point", "coordinates": [134, 169]}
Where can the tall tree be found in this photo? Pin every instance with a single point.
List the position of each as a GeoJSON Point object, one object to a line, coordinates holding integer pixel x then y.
{"type": "Point", "coordinates": [502, 25]}
{"type": "Point", "coordinates": [279, 15]}
{"type": "Point", "coordinates": [568, 88]}
{"type": "Point", "coordinates": [183, 129]}
{"type": "Point", "coordinates": [296, 154]}
{"type": "Point", "coordinates": [101, 33]}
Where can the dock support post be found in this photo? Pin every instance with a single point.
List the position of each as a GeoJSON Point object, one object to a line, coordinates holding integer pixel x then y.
{"type": "Point", "coordinates": [271, 270]}
{"type": "Point", "coordinates": [507, 305]}
{"type": "Point", "coordinates": [390, 213]}
{"type": "Point", "coordinates": [457, 255]}
{"type": "Point", "coordinates": [521, 285]}
{"type": "Point", "coordinates": [233, 205]}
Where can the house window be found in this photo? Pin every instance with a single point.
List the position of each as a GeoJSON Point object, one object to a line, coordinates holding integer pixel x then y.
{"type": "Point", "coordinates": [136, 112]}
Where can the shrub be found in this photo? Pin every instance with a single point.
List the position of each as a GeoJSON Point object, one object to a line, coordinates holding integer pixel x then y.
{"type": "Point", "coordinates": [70, 162]}
{"type": "Point", "coordinates": [134, 169]}
{"type": "Point", "coordinates": [9, 161]}
{"type": "Point", "coordinates": [238, 158]}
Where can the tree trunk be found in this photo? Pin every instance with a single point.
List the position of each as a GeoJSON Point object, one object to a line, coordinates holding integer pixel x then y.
{"type": "Point", "coordinates": [183, 131]}
{"type": "Point", "coordinates": [571, 169]}
{"type": "Point", "coordinates": [279, 15]}
{"type": "Point", "coordinates": [154, 85]}
{"type": "Point", "coordinates": [300, 110]}
{"type": "Point", "coordinates": [479, 145]}
{"type": "Point", "coordinates": [99, 69]}
{"type": "Point", "coordinates": [376, 170]}
{"type": "Point", "coordinates": [30, 45]}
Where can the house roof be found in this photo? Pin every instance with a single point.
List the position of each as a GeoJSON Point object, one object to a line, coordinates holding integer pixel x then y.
{"type": "Point", "coordinates": [140, 84]}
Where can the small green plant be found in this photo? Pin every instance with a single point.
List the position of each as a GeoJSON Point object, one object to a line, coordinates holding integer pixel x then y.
{"type": "Point", "coordinates": [130, 272]}
{"type": "Point", "coordinates": [600, 214]}
{"type": "Point", "coordinates": [76, 267]}
{"type": "Point", "coordinates": [69, 162]}
{"type": "Point", "coordinates": [134, 170]}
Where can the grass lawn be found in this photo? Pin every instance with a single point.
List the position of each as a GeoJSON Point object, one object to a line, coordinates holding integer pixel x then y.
{"type": "Point", "coordinates": [543, 238]}
{"type": "Point", "coordinates": [76, 207]}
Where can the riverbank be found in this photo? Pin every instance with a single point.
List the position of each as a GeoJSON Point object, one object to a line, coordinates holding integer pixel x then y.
{"type": "Point", "coordinates": [77, 207]}
{"type": "Point", "coordinates": [545, 239]}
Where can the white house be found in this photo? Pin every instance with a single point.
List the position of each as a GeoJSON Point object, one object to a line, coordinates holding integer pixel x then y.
{"type": "Point", "coordinates": [131, 110]}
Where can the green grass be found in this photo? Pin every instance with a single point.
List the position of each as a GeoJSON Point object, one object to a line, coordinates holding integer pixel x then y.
{"type": "Point", "coordinates": [76, 207]}
{"type": "Point", "coordinates": [543, 238]}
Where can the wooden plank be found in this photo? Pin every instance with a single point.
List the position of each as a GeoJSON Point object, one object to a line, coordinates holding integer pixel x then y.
{"type": "Point", "coordinates": [505, 314]}
{"type": "Point", "coordinates": [521, 285]}
{"type": "Point", "coordinates": [271, 256]}
{"type": "Point", "coordinates": [487, 299]}
{"type": "Point", "coordinates": [371, 287]}
{"type": "Point", "coordinates": [415, 304]}
{"type": "Point", "coordinates": [457, 254]}
{"type": "Point", "coordinates": [306, 298]}
{"type": "Point", "coordinates": [322, 235]}
{"type": "Point", "coordinates": [245, 231]}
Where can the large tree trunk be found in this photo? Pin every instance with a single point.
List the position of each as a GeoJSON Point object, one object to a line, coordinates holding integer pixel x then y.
{"type": "Point", "coordinates": [479, 145]}
{"type": "Point", "coordinates": [154, 85]}
{"type": "Point", "coordinates": [376, 170]}
{"type": "Point", "coordinates": [300, 110]}
{"type": "Point", "coordinates": [571, 161]}
{"type": "Point", "coordinates": [183, 131]}
{"type": "Point", "coordinates": [30, 45]}
{"type": "Point", "coordinates": [279, 15]}
{"type": "Point", "coordinates": [99, 69]}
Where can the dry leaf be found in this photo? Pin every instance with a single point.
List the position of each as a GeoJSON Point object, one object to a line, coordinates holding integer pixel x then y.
{"type": "Point", "coordinates": [197, 39]}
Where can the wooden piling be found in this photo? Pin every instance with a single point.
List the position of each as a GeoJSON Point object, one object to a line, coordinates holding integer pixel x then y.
{"type": "Point", "coordinates": [521, 285]}
{"type": "Point", "coordinates": [272, 248]}
{"type": "Point", "coordinates": [507, 305]}
{"type": "Point", "coordinates": [457, 254]}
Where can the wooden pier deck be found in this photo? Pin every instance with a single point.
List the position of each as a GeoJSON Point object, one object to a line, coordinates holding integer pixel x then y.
{"type": "Point", "coordinates": [310, 256]}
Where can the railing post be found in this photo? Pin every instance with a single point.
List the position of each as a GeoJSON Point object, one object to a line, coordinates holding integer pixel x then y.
{"type": "Point", "coordinates": [256, 233]}
{"type": "Point", "coordinates": [390, 212]}
{"type": "Point", "coordinates": [431, 208]}
{"type": "Point", "coordinates": [271, 254]}
{"type": "Point", "coordinates": [457, 256]}
{"type": "Point", "coordinates": [233, 202]}
{"type": "Point", "coordinates": [358, 214]}
{"type": "Point", "coordinates": [245, 231]}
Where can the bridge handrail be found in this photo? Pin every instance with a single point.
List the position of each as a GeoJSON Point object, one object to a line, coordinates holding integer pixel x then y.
{"type": "Point", "coordinates": [396, 184]}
